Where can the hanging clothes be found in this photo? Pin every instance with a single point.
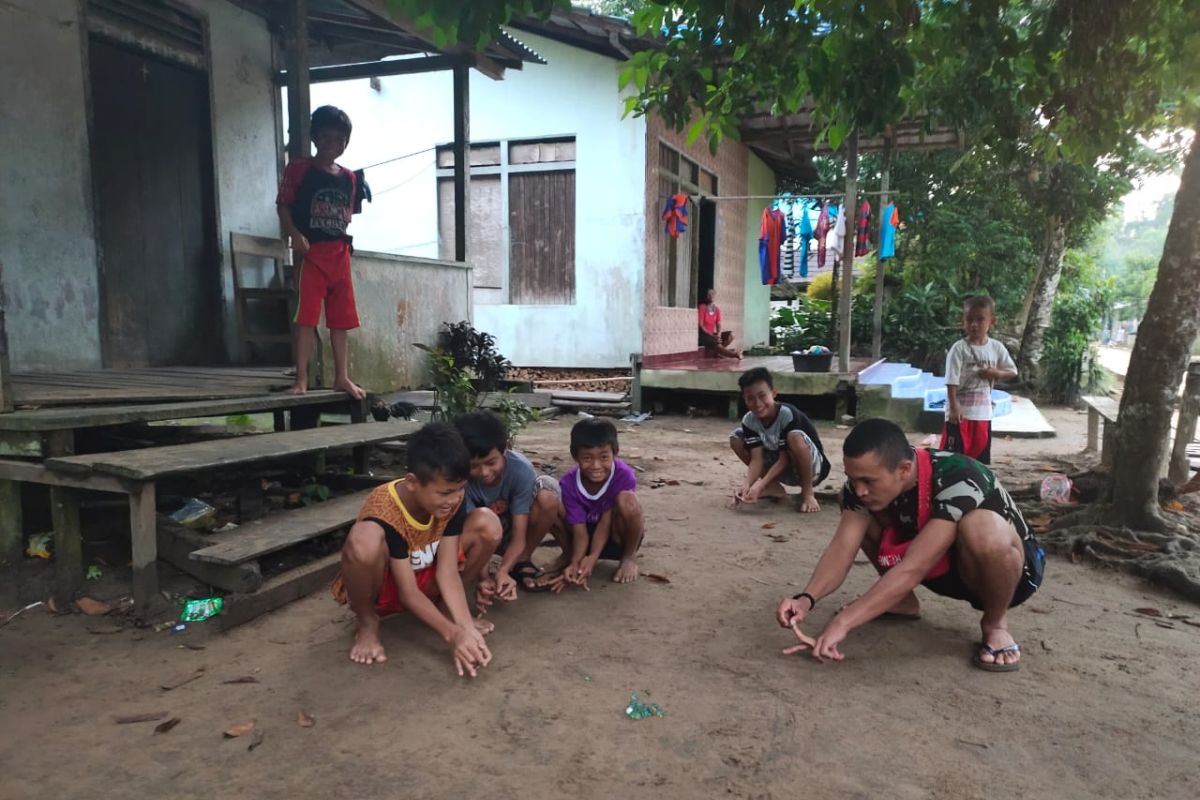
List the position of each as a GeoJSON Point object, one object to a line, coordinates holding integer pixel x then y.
{"type": "Point", "coordinates": [675, 212]}
{"type": "Point", "coordinates": [787, 246]}
{"type": "Point", "coordinates": [862, 238]}
{"type": "Point", "coordinates": [770, 235]}
{"type": "Point", "coordinates": [837, 234]}
{"type": "Point", "coordinates": [805, 233]}
{"type": "Point", "coordinates": [887, 231]}
{"type": "Point", "coordinates": [821, 232]}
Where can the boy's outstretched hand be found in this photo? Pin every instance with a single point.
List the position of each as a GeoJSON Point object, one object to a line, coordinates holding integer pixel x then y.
{"type": "Point", "coordinates": [576, 574]}
{"type": "Point", "coordinates": [469, 650]}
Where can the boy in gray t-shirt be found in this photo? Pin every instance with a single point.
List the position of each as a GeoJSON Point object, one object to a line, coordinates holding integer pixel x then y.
{"type": "Point", "coordinates": [504, 483]}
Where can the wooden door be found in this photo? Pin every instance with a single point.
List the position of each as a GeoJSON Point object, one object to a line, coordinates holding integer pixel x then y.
{"type": "Point", "coordinates": [153, 174]}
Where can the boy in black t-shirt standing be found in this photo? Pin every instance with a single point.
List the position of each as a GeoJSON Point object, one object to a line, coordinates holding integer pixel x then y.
{"type": "Point", "coordinates": [777, 443]}
{"type": "Point", "coordinates": [316, 202]}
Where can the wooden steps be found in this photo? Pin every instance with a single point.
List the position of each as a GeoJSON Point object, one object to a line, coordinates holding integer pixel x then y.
{"type": "Point", "coordinates": [282, 530]}
{"type": "Point", "coordinates": [151, 463]}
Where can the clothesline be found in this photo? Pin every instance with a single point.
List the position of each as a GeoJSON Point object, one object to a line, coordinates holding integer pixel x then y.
{"type": "Point", "coordinates": [787, 196]}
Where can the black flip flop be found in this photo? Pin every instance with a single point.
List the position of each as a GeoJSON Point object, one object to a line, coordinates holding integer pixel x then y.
{"type": "Point", "coordinates": [524, 571]}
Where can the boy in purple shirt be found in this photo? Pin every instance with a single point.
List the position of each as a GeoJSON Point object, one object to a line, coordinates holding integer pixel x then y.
{"type": "Point", "coordinates": [600, 506]}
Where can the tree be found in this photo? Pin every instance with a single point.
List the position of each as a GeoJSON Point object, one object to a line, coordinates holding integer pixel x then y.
{"type": "Point", "coordinates": [1076, 80]}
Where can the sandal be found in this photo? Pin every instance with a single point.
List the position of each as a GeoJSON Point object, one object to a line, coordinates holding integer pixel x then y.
{"type": "Point", "coordinates": [993, 666]}
{"type": "Point", "coordinates": [529, 577]}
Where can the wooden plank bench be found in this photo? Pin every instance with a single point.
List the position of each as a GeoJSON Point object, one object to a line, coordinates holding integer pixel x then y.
{"type": "Point", "coordinates": [1102, 411]}
{"type": "Point", "coordinates": [136, 471]}
{"type": "Point", "coordinates": [282, 530]}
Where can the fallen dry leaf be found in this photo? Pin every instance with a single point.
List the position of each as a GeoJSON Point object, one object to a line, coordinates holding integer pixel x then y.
{"type": "Point", "coordinates": [104, 630]}
{"type": "Point", "coordinates": [1149, 612]}
{"type": "Point", "coordinates": [239, 729]}
{"type": "Point", "coordinates": [93, 608]}
{"type": "Point", "coordinates": [1039, 522]}
{"type": "Point", "coordinates": [672, 482]}
{"type": "Point", "coordinates": [163, 727]}
{"type": "Point", "coordinates": [1164, 625]}
{"type": "Point", "coordinates": [768, 525]}
{"type": "Point", "coordinates": [304, 720]}
{"type": "Point", "coordinates": [256, 740]}
{"type": "Point", "coordinates": [180, 680]}
{"type": "Point", "coordinates": [677, 519]}
{"type": "Point", "coordinates": [149, 716]}
{"type": "Point", "coordinates": [190, 646]}
{"type": "Point", "coordinates": [243, 679]}
{"type": "Point", "coordinates": [1175, 505]}
{"type": "Point", "coordinates": [778, 537]}
{"type": "Point", "coordinates": [651, 576]}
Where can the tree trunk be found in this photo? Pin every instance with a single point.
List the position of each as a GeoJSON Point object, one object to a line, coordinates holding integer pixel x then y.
{"type": "Point", "coordinates": [1160, 356]}
{"type": "Point", "coordinates": [1054, 244]}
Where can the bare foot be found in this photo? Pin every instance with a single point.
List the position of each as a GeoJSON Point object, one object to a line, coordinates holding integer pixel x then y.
{"type": "Point", "coordinates": [808, 503]}
{"type": "Point", "coordinates": [367, 648]}
{"type": "Point", "coordinates": [351, 388]}
{"type": "Point", "coordinates": [627, 571]}
{"type": "Point", "coordinates": [299, 387]}
{"type": "Point", "coordinates": [999, 648]}
{"type": "Point", "coordinates": [483, 626]}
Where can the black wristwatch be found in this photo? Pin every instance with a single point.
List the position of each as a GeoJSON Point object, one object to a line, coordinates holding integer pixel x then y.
{"type": "Point", "coordinates": [812, 601]}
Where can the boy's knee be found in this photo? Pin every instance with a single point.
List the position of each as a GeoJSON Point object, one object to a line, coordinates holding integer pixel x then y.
{"type": "Point", "coordinates": [628, 504]}
{"type": "Point", "coordinates": [484, 523]}
{"type": "Point", "coordinates": [546, 503]}
{"type": "Point", "coordinates": [798, 443]}
{"type": "Point", "coordinates": [987, 535]}
{"type": "Point", "coordinates": [364, 544]}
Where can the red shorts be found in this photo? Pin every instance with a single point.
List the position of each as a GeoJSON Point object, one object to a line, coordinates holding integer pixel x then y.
{"type": "Point", "coordinates": [971, 437]}
{"type": "Point", "coordinates": [325, 277]}
{"type": "Point", "coordinates": [388, 601]}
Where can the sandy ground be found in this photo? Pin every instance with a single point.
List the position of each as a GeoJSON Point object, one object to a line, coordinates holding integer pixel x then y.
{"type": "Point", "coordinates": [1105, 705]}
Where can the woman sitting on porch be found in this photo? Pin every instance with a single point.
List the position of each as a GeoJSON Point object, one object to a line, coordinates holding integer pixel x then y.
{"type": "Point", "coordinates": [715, 341]}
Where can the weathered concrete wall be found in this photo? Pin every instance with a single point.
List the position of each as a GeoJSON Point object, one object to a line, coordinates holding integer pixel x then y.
{"type": "Point", "coordinates": [402, 301]}
{"type": "Point", "coordinates": [47, 241]}
{"type": "Point", "coordinates": [575, 94]}
{"type": "Point", "coordinates": [245, 110]}
{"type": "Point", "coordinates": [760, 181]}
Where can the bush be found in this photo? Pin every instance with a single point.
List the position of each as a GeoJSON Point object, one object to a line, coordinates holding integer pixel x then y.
{"type": "Point", "coordinates": [805, 325]}
{"type": "Point", "coordinates": [1069, 365]}
{"type": "Point", "coordinates": [821, 287]}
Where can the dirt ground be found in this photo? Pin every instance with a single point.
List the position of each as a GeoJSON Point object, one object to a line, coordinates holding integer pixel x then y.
{"type": "Point", "coordinates": [1104, 706]}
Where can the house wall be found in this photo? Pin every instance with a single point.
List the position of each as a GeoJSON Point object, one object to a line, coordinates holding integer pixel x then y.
{"type": "Point", "coordinates": [245, 108]}
{"type": "Point", "coordinates": [402, 301]}
{"type": "Point", "coordinates": [575, 94]}
{"type": "Point", "coordinates": [757, 324]}
{"type": "Point", "coordinates": [47, 236]}
{"type": "Point", "coordinates": [47, 245]}
{"type": "Point", "coordinates": [674, 330]}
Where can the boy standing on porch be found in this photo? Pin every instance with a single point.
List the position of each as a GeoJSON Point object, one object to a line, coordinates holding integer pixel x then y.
{"type": "Point", "coordinates": [973, 365]}
{"type": "Point", "coordinates": [316, 202]}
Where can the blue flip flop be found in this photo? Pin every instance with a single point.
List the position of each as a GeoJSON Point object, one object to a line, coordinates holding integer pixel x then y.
{"type": "Point", "coordinates": [992, 666]}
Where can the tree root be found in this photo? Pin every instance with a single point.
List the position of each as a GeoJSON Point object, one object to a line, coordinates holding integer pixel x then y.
{"type": "Point", "coordinates": [1169, 557]}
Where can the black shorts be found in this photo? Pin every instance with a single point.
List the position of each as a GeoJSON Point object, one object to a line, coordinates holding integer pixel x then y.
{"type": "Point", "coordinates": [951, 584]}
{"type": "Point", "coordinates": [612, 550]}
{"type": "Point", "coordinates": [708, 340]}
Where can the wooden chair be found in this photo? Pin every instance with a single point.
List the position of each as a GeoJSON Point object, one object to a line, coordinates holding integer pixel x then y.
{"type": "Point", "coordinates": [281, 293]}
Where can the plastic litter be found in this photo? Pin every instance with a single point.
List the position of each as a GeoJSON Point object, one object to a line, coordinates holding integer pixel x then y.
{"type": "Point", "coordinates": [39, 545]}
{"type": "Point", "coordinates": [93, 573]}
{"type": "Point", "coordinates": [645, 415]}
{"type": "Point", "coordinates": [639, 710]}
{"type": "Point", "coordinates": [194, 513]}
{"type": "Point", "coordinates": [1056, 488]}
{"type": "Point", "coordinates": [200, 610]}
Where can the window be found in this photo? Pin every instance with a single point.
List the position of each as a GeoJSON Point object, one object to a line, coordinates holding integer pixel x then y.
{"type": "Point", "coordinates": [681, 261]}
{"type": "Point", "coordinates": [521, 225]}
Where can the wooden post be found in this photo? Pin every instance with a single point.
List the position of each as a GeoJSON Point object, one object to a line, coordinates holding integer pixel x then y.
{"type": "Point", "coordinates": [299, 102]}
{"type": "Point", "coordinates": [1185, 428]}
{"type": "Point", "coordinates": [6, 390]}
{"type": "Point", "coordinates": [64, 515]}
{"type": "Point", "coordinates": [462, 158]}
{"type": "Point", "coordinates": [143, 534]}
{"type": "Point", "coordinates": [12, 541]}
{"type": "Point", "coordinates": [877, 318]}
{"type": "Point", "coordinates": [848, 254]}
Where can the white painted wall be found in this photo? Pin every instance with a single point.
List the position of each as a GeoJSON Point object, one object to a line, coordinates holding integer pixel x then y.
{"type": "Point", "coordinates": [47, 244]}
{"type": "Point", "coordinates": [575, 94]}
{"type": "Point", "coordinates": [246, 140]}
{"type": "Point", "coordinates": [760, 181]}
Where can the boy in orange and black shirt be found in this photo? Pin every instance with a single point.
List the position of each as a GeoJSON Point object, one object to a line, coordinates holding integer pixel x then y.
{"type": "Point", "coordinates": [393, 561]}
